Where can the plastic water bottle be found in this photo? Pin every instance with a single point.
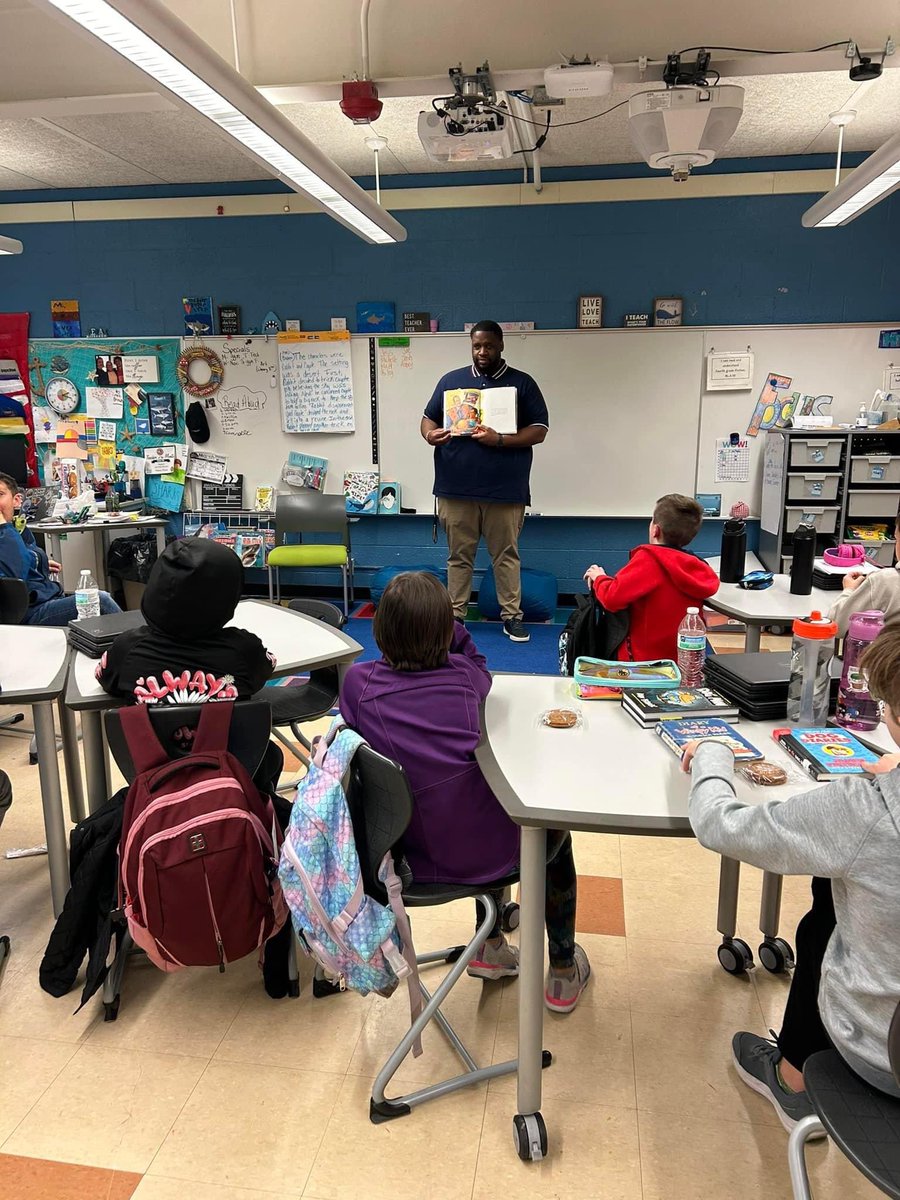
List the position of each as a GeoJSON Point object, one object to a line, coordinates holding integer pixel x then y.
{"type": "Point", "coordinates": [692, 648]}
{"type": "Point", "coordinates": [855, 707]}
{"type": "Point", "coordinates": [87, 597]}
{"type": "Point", "coordinates": [809, 687]}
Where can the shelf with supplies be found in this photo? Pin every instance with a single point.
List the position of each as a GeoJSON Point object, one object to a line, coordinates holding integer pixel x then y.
{"type": "Point", "coordinates": [836, 480]}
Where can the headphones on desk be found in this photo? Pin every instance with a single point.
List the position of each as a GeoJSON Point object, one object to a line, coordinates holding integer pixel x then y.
{"type": "Point", "coordinates": [756, 581]}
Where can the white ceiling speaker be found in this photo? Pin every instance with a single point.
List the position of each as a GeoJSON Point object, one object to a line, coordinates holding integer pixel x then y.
{"type": "Point", "coordinates": [10, 245]}
{"type": "Point", "coordinates": [684, 127]}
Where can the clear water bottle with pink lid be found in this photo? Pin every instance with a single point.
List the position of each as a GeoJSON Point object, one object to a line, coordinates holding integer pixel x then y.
{"type": "Point", "coordinates": [855, 707]}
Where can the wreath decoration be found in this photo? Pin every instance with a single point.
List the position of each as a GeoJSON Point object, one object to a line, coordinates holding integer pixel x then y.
{"type": "Point", "coordinates": [216, 371]}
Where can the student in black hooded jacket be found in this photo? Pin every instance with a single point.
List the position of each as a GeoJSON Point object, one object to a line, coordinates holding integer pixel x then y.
{"type": "Point", "coordinates": [184, 654]}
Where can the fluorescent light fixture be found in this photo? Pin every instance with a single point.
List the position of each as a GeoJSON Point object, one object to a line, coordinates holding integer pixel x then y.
{"type": "Point", "coordinates": [870, 182]}
{"type": "Point", "coordinates": [151, 37]}
{"type": "Point", "coordinates": [10, 245]}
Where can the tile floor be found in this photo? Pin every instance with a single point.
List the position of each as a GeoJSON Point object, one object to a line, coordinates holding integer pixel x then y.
{"type": "Point", "coordinates": [204, 1089]}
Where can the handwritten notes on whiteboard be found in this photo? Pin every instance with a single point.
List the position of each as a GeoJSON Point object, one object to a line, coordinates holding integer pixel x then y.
{"type": "Point", "coordinates": [316, 383]}
{"type": "Point", "coordinates": [240, 409]}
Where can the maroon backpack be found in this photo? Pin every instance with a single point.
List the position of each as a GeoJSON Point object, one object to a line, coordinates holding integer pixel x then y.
{"type": "Point", "coordinates": [199, 850]}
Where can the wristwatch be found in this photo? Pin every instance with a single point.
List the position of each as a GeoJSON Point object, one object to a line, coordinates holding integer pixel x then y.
{"type": "Point", "coordinates": [499, 441]}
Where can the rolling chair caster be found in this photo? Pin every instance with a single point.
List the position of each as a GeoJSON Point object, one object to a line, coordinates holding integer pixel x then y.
{"type": "Point", "coordinates": [776, 955]}
{"type": "Point", "coordinates": [734, 956]}
{"type": "Point", "coordinates": [509, 917]}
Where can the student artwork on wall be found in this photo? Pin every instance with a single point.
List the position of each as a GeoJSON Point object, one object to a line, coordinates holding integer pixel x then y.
{"type": "Point", "coordinates": [161, 406]}
{"type": "Point", "coordinates": [769, 403]}
{"type": "Point", "coordinates": [105, 402]}
{"type": "Point", "coordinates": [66, 318]}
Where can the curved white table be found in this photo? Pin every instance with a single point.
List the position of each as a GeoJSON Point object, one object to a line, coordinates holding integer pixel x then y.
{"type": "Point", "coordinates": [609, 776]}
{"type": "Point", "coordinates": [298, 642]}
{"type": "Point", "coordinates": [775, 605]}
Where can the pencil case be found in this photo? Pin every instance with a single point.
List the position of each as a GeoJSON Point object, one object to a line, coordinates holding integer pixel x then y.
{"type": "Point", "coordinates": [660, 672]}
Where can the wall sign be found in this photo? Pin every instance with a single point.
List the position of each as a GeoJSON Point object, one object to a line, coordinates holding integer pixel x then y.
{"type": "Point", "coordinates": [590, 312]}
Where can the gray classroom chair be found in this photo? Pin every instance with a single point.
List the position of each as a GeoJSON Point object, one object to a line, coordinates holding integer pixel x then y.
{"type": "Point", "coordinates": [13, 607]}
{"type": "Point", "coordinates": [863, 1122]}
{"type": "Point", "coordinates": [311, 512]}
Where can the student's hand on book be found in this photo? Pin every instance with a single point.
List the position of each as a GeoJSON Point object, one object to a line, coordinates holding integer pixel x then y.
{"type": "Point", "coordinates": [434, 437]}
{"type": "Point", "coordinates": [886, 763]}
{"type": "Point", "coordinates": [687, 754]}
{"type": "Point", "coordinates": [593, 572]}
{"type": "Point", "coordinates": [484, 433]}
{"type": "Point", "coordinates": [852, 580]}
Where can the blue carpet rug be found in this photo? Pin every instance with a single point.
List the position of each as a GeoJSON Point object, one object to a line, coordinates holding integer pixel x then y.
{"type": "Point", "coordinates": [537, 657]}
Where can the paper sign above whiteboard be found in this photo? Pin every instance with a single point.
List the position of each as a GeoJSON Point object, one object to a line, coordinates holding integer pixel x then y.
{"type": "Point", "coordinates": [105, 402]}
{"type": "Point", "coordinates": [140, 368]}
{"type": "Point", "coordinates": [727, 372]}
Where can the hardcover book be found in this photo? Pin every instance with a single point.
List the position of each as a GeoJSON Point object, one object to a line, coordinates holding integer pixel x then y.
{"type": "Point", "coordinates": [649, 707]}
{"type": "Point", "coordinates": [827, 753]}
{"type": "Point", "coordinates": [677, 734]}
{"type": "Point", "coordinates": [467, 408]}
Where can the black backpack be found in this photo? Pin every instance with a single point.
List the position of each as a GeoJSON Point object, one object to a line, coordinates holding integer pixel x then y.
{"type": "Point", "coordinates": [591, 631]}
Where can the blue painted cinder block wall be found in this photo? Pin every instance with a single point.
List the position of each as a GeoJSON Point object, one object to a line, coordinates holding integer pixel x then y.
{"type": "Point", "coordinates": [735, 260]}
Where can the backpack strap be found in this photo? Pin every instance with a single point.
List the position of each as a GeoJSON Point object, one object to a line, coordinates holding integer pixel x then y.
{"type": "Point", "coordinates": [146, 750]}
{"type": "Point", "coordinates": [403, 962]}
{"type": "Point", "coordinates": [213, 727]}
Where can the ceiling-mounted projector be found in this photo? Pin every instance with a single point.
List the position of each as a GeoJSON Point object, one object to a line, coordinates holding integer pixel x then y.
{"type": "Point", "coordinates": [578, 80]}
{"type": "Point", "coordinates": [684, 127]}
{"type": "Point", "coordinates": [483, 137]}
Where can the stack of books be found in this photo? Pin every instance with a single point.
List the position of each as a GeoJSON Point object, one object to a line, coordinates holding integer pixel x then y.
{"type": "Point", "coordinates": [649, 708]}
{"type": "Point", "coordinates": [758, 683]}
{"type": "Point", "coordinates": [826, 753]}
{"type": "Point", "coordinates": [831, 579]}
{"type": "Point", "coordinates": [94, 636]}
{"type": "Point", "coordinates": [677, 734]}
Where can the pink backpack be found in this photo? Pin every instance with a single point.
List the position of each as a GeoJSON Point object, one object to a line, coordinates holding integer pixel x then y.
{"type": "Point", "coordinates": [199, 850]}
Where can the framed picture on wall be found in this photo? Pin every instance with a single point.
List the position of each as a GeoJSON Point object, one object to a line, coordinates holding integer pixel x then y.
{"type": "Point", "coordinates": [668, 310]}
{"type": "Point", "coordinates": [590, 312]}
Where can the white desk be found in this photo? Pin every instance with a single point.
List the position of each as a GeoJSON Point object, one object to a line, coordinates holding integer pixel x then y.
{"type": "Point", "coordinates": [298, 642]}
{"type": "Point", "coordinates": [101, 530]}
{"type": "Point", "coordinates": [610, 776]}
{"type": "Point", "coordinates": [775, 605]}
{"type": "Point", "coordinates": [33, 665]}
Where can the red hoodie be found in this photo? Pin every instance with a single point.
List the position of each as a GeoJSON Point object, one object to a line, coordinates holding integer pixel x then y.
{"type": "Point", "coordinates": [657, 585]}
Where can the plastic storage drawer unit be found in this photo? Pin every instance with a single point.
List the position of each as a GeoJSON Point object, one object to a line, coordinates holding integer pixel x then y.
{"type": "Point", "coordinates": [874, 468]}
{"type": "Point", "coordinates": [814, 487]}
{"type": "Point", "coordinates": [879, 553]}
{"type": "Point", "coordinates": [824, 519]}
{"type": "Point", "coordinates": [816, 452]}
{"type": "Point", "coordinates": [873, 504]}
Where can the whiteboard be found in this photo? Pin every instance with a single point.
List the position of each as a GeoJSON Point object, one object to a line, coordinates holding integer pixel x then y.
{"type": "Point", "coordinates": [245, 423]}
{"type": "Point", "coordinates": [842, 361]}
{"type": "Point", "coordinates": [624, 411]}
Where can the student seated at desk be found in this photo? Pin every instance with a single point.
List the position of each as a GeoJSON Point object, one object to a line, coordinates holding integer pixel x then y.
{"type": "Point", "coordinates": [660, 581]}
{"type": "Point", "coordinates": [863, 592]}
{"type": "Point", "coordinates": [419, 706]}
{"type": "Point", "coordinates": [845, 985]}
{"type": "Point", "coordinates": [22, 558]}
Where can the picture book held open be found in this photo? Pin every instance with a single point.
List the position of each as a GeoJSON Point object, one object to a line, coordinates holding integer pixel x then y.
{"type": "Point", "coordinates": [467, 408]}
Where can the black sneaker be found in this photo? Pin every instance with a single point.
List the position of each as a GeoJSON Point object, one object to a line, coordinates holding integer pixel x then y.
{"type": "Point", "coordinates": [755, 1059]}
{"type": "Point", "coordinates": [516, 631]}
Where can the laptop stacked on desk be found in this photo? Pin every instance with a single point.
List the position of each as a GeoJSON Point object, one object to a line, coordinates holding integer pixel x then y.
{"type": "Point", "coordinates": [95, 636]}
{"type": "Point", "coordinates": [758, 683]}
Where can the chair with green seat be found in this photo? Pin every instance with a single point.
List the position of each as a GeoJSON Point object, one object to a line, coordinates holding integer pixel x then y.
{"type": "Point", "coordinates": [311, 513]}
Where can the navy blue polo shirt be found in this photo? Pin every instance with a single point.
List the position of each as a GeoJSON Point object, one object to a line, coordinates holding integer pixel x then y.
{"type": "Point", "coordinates": [467, 470]}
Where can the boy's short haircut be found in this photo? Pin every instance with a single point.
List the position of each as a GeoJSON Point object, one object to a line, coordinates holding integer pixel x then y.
{"type": "Point", "coordinates": [881, 663]}
{"type": "Point", "coordinates": [679, 517]}
{"type": "Point", "coordinates": [413, 623]}
{"type": "Point", "coordinates": [13, 484]}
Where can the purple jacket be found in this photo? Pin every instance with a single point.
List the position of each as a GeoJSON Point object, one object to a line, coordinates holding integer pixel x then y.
{"type": "Point", "coordinates": [428, 722]}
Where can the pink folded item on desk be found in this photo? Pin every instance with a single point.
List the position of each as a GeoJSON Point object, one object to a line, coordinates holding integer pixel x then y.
{"type": "Point", "coordinates": [845, 555]}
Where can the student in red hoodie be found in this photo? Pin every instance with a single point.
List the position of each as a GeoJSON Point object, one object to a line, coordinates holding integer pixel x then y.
{"type": "Point", "coordinates": [659, 582]}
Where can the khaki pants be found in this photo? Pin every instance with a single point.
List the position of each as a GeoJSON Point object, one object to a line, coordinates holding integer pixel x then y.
{"type": "Point", "coordinates": [465, 522]}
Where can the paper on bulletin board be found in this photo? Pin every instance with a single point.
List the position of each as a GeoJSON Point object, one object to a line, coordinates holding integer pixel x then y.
{"type": "Point", "coordinates": [134, 467]}
{"type": "Point", "coordinates": [140, 368]}
{"type": "Point", "coordinates": [106, 455]}
{"type": "Point", "coordinates": [203, 465]}
{"type": "Point", "coordinates": [106, 431]}
{"type": "Point", "coordinates": [104, 402]}
{"type": "Point", "coordinates": [164, 495]}
{"type": "Point", "coordinates": [180, 452]}
{"type": "Point", "coordinates": [44, 424]}
{"type": "Point", "coordinates": [729, 372]}
{"type": "Point", "coordinates": [732, 461]}
{"type": "Point", "coordinates": [159, 460]}
{"type": "Point", "coordinates": [70, 440]}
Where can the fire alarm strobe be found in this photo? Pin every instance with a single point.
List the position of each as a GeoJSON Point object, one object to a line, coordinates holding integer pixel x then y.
{"type": "Point", "coordinates": [359, 101]}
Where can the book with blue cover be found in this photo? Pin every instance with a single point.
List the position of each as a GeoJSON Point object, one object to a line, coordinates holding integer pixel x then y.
{"type": "Point", "coordinates": [827, 753]}
{"type": "Point", "coordinates": [677, 734]}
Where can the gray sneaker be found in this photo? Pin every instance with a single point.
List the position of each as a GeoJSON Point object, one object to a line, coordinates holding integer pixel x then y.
{"type": "Point", "coordinates": [563, 988]}
{"type": "Point", "coordinates": [755, 1059]}
{"type": "Point", "coordinates": [515, 630]}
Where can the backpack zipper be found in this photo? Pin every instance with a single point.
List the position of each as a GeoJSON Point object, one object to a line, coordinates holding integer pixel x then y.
{"type": "Point", "coordinates": [215, 923]}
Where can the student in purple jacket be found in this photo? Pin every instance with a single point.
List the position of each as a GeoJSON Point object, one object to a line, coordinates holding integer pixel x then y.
{"type": "Point", "coordinates": [419, 705]}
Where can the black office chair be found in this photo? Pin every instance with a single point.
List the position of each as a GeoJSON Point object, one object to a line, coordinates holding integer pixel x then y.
{"type": "Point", "coordinates": [308, 701]}
{"type": "Point", "coordinates": [248, 738]}
{"type": "Point", "coordinates": [863, 1122]}
{"type": "Point", "coordinates": [13, 607]}
{"type": "Point", "coordinates": [381, 805]}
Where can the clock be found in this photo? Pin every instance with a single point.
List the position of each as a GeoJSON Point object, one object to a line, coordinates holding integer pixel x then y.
{"type": "Point", "coordinates": [62, 396]}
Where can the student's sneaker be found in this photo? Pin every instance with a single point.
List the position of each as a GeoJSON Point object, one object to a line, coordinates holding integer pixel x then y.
{"type": "Point", "coordinates": [563, 989]}
{"type": "Point", "coordinates": [756, 1060]}
{"type": "Point", "coordinates": [495, 962]}
{"type": "Point", "coordinates": [516, 631]}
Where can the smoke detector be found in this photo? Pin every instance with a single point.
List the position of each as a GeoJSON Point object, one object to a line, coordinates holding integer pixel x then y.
{"type": "Point", "coordinates": [684, 127]}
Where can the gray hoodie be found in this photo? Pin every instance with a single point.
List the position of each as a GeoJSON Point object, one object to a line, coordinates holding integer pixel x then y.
{"type": "Point", "coordinates": [847, 831]}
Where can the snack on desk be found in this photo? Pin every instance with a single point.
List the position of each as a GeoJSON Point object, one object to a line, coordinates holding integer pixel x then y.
{"type": "Point", "coordinates": [764, 773]}
{"type": "Point", "coordinates": [656, 673]}
{"type": "Point", "coordinates": [560, 718]}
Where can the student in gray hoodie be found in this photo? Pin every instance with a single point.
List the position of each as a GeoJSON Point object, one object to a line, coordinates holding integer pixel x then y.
{"type": "Point", "coordinates": [847, 832]}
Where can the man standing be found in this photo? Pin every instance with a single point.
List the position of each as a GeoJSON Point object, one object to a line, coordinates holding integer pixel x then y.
{"type": "Point", "coordinates": [482, 481]}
